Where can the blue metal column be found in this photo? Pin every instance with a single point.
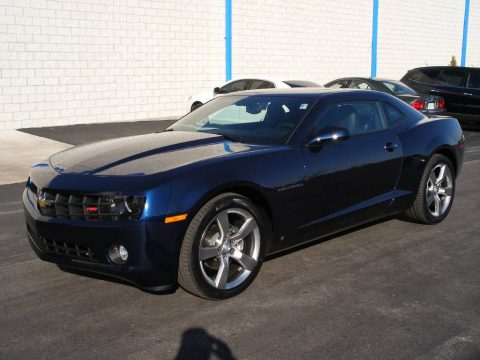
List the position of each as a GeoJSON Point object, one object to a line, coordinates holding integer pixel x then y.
{"type": "Point", "coordinates": [228, 39]}
{"type": "Point", "coordinates": [373, 71]}
{"type": "Point", "coordinates": [465, 32]}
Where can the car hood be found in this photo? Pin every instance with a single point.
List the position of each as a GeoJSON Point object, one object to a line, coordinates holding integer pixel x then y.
{"type": "Point", "coordinates": [145, 154]}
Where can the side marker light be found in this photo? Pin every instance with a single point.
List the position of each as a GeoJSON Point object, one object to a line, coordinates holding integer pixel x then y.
{"type": "Point", "coordinates": [176, 218]}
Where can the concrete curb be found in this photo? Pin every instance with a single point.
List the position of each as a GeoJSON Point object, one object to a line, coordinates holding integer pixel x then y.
{"type": "Point", "coordinates": [19, 151]}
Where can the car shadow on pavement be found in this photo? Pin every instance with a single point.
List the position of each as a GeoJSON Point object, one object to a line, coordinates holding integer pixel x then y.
{"type": "Point", "coordinates": [334, 235]}
{"type": "Point", "coordinates": [198, 344]}
{"type": "Point", "coordinates": [111, 279]}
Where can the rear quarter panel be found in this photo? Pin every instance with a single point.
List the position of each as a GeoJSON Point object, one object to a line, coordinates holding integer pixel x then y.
{"type": "Point", "coordinates": [439, 134]}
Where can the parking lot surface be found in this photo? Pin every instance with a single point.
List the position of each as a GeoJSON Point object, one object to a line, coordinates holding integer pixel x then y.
{"type": "Point", "coordinates": [390, 290]}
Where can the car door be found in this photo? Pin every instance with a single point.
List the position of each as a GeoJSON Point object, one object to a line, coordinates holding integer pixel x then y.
{"type": "Point", "coordinates": [353, 179]}
{"type": "Point", "coordinates": [472, 92]}
{"type": "Point", "coordinates": [450, 85]}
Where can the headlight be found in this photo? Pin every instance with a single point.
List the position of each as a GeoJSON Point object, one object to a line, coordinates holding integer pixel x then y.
{"type": "Point", "coordinates": [118, 207]}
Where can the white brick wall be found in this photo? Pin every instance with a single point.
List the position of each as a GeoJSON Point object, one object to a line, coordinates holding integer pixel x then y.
{"type": "Point", "coordinates": [473, 49]}
{"type": "Point", "coordinates": [84, 61]}
{"type": "Point", "coordinates": [414, 33]}
{"type": "Point", "coordinates": [302, 39]}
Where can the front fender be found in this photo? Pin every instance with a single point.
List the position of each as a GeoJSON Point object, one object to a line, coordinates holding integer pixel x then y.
{"type": "Point", "coordinates": [261, 175]}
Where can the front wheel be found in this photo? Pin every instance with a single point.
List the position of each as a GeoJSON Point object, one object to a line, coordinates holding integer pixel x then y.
{"type": "Point", "coordinates": [436, 191]}
{"type": "Point", "coordinates": [223, 247]}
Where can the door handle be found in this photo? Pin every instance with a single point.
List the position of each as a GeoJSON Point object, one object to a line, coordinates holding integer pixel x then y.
{"type": "Point", "coordinates": [390, 146]}
{"type": "Point", "coordinates": [434, 91]}
{"type": "Point", "coordinates": [469, 94]}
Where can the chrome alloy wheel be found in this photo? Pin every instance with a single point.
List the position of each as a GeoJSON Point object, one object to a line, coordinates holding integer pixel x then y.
{"type": "Point", "coordinates": [229, 248]}
{"type": "Point", "coordinates": [439, 189]}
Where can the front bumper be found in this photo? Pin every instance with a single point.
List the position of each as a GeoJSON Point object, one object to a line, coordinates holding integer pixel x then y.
{"type": "Point", "coordinates": [82, 245]}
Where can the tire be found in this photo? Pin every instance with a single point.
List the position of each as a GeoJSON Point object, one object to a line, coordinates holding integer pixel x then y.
{"type": "Point", "coordinates": [216, 263]}
{"type": "Point", "coordinates": [195, 106]}
{"type": "Point", "coordinates": [436, 192]}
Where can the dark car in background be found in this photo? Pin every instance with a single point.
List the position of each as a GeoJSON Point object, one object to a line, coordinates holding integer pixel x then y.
{"type": "Point", "coordinates": [246, 175]}
{"type": "Point", "coordinates": [427, 104]}
{"type": "Point", "coordinates": [459, 86]}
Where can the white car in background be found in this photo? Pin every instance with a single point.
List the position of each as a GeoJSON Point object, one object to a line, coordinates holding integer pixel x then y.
{"type": "Point", "coordinates": [247, 83]}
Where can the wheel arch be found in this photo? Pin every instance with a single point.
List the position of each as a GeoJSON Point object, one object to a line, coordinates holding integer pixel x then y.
{"type": "Point", "coordinates": [449, 154]}
{"type": "Point", "coordinates": [194, 104]}
{"type": "Point", "coordinates": [250, 191]}
{"type": "Point", "coordinates": [255, 196]}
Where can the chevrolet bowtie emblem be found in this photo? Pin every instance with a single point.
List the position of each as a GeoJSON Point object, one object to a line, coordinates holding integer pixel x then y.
{"type": "Point", "coordinates": [43, 202]}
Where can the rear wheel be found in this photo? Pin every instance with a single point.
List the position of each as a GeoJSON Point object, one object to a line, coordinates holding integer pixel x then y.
{"type": "Point", "coordinates": [223, 247]}
{"type": "Point", "coordinates": [436, 191]}
{"type": "Point", "coordinates": [196, 106]}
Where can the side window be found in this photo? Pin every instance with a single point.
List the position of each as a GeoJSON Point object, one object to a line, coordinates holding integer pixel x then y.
{"type": "Point", "coordinates": [451, 78]}
{"type": "Point", "coordinates": [392, 114]}
{"type": "Point", "coordinates": [238, 85]}
{"type": "Point", "coordinates": [357, 117]}
{"type": "Point", "coordinates": [425, 76]}
{"type": "Point", "coordinates": [474, 80]}
{"type": "Point", "coordinates": [362, 85]}
{"type": "Point", "coordinates": [260, 84]}
{"type": "Point", "coordinates": [341, 84]}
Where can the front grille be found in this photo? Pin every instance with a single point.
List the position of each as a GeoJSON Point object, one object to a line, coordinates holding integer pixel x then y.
{"type": "Point", "coordinates": [69, 249]}
{"type": "Point", "coordinates": [64, 248]}
{"type": "Point", "coordinates": [74, 206]}
{"type": "Point", "coordinates": [78, 207]}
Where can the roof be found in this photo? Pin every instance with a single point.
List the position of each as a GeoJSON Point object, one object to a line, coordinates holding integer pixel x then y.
{"type": "Point", "coordinates": [384, 79]}
{"type": "Point", "coordinates": [445, 67]}
{"type": "Point", "coordinates": [364, 78]}
{"type": "Point", "coordinates": [300, 92]}
{"type": "Point", "coordinates": [290, 91]}
{"type": "Point", "coordinates": [263, 77]}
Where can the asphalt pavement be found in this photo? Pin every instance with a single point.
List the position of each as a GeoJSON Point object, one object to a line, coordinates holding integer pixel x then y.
{"type": "Point", "coordinates": [391, 290]}
{"type": "Point", "coordinates": [84, 133]}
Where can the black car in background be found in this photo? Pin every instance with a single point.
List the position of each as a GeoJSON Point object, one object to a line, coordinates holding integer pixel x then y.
{"type": "Point", "coordinates": [459, 86]}
{"type": "Point", "coordinates": [427, 104]}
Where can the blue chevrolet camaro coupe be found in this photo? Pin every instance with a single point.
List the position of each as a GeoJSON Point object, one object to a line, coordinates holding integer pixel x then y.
{"type": "Point", "coordinates": [242, 177]}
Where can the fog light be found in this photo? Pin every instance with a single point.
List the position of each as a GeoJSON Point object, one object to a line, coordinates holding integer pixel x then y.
{"type": "Point", "coordinates": [118, 254]}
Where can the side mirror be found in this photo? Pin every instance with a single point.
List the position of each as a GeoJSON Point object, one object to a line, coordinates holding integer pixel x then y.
{"type": "Point", "coordinates": [216, 91]}
{"type": "Point", "coordinates": [329, 136]}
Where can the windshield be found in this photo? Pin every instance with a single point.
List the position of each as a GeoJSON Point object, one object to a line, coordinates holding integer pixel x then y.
{"type": "Point", "coordinates": [398, 88]}
{"type": "Point", "coordinates": [254, 119]}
